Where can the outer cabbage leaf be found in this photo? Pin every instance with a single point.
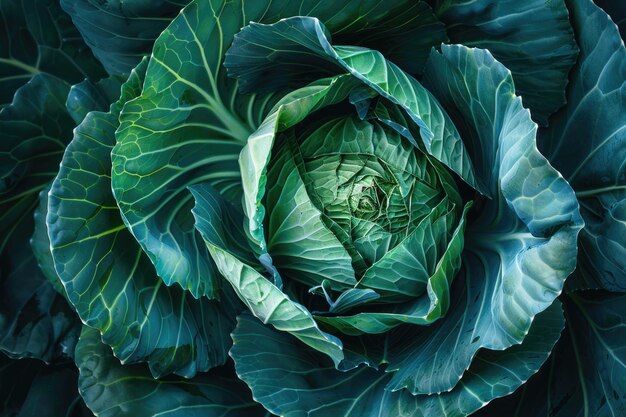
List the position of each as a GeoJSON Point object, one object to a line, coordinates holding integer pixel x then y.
{"type": "Point", "coordinates": [40, 243]}
{"type": "Point", "coordinates": [190, 123]}
{"type": "Point", "coordinates": [586, 374]}
{"type": "Point", "coordinates": [38, 37]}
{"type": "Point", "coordinates": [533, 39]}
{"type": "Point", "coordinates": [107, 276]}
{"type": "Point", "coordinates": [111, 389]}
{"type": "Point", "coordinates": [121, 32]}
{"type": "Point", "coordinates": [25, 389]}
{"type": "Point", "coordinates": [35, 320]}
{"type": "Point", "coordinates": [405, 35]}
{"type": "Point", "coordinates": [586, 142]}
{"type": "Point", "coordinates": [291, 381]}
{"type": "Point", "coordinates": [89, 96]}
{"type": "Point", "coordinates": [35, 130]}
{"type": "Point", "coordinates": [520, 246]}
{"type": "Point", "coordinates": [617, 11]}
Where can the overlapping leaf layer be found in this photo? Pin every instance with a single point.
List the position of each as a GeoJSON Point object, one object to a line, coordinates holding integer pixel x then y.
{"type": "Point", "coordinates": [304, 208]}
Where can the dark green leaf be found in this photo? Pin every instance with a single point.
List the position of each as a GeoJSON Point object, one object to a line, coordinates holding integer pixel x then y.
{"type": "Point", "coordinates": [404, 36]}
{"type": "Point", "coordinates": [40, 243]}
{"type": "Point", "coordinates": [291, 381]}
{"type": "Point", "coordinates": [111, 389]}
{"type": "Point", "coordinates": [35, 320]}
{"type": "Point", "coordinates": [35, 129]}
{"type": "Point", "coordinates": [109, 279]}
{"type": "Point", "coordinates": [121, 32]}
{"type": "Point", "coordinates": [89, 96]}
{"type": "Point", "coordinates": [31, 388]}
{"type": "Point", "coordinates": [586, 374]}
{"type": "Point", "coordinates": [534, 39]}
{"type": "Point", "coordinates": [586, 142]}
{"type": "Point", "coordinates": [38, 37]}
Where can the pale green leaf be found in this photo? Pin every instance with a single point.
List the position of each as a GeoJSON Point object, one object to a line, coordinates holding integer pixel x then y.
{"type": "Point", "coordinates": [258, 47]}
{"type": "Point", "coordinates": [265, 300]}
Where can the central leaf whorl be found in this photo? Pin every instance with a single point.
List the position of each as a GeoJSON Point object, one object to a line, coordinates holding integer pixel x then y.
{"type": "Point", "coordinates": [372, 188]}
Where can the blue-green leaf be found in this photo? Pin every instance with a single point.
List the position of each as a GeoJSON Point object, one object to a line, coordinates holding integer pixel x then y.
{"type": "Point", "coordinates": [617, 11]}
{"type": "Point", "coordinates": [534, 39]}
{"type": "Point", "coordinates": [586, 142]}
{"type": "Point", "coordinates": [290, 381]}
{"type": "Point", "coordinates": [39, 38]}
{"type": "Point", "coordinates": [520, 246]}
{"type": "Point", "coordinates": [586, 374]}
{"type": "Point", "coordinates": [108, 278]}
{"type": "Point", "coordinates": [111, 389]}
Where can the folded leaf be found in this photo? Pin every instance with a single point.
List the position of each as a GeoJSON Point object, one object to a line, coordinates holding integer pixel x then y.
{"type": "Point", "coordinates": [258, 47]}
{"type": "Point", "coordinates": [425, 309]}
{"type": "Point", "coordinates": [520, 246]}
{"type": "Point", "coordinates": [111, 389]}
{"type": "Point", "coordinates": [533, 39]}
{"type": "Point", "coordinates": [108, 278]}
{"type": "Point", "coordinates": [263, 298]}
{"type": "Point", "coordinates": [586, 142]}
{"type": "Point", "coordinates": [291, 382]}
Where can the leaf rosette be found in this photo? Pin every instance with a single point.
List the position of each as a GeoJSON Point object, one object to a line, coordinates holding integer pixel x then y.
{"type": "Point", "coordinates": [408, 230]}
{"type": "Point", "coordinates": [361, 180]}
{"type": "Point", "coordinates": [337, 207]}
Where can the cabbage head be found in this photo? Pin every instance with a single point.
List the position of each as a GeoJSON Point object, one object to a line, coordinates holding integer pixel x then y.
{"type": "Point", "coordinates": [309, 208]}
